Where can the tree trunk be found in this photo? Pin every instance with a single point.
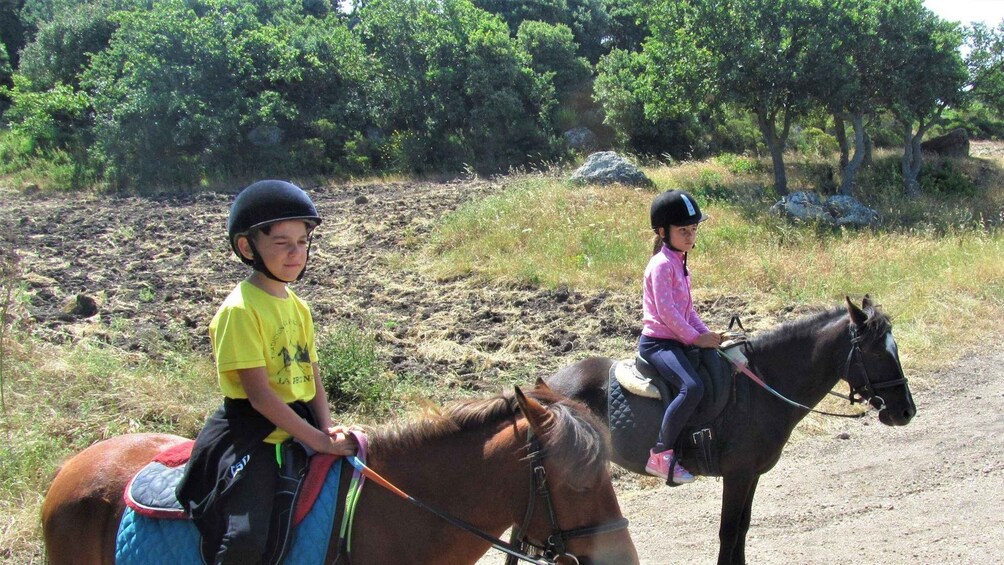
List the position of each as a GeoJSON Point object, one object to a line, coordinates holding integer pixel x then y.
{"type": "Point", "coordinates": [850, 168]}
{"type": "Point", "coordinates": [912, 159]}
{"type": "Point", "coordinates": [840, 132]}
{"type": "Point", "coordinates": [869, 149]}
{"type": "Point", "coordinates": [775, 144]}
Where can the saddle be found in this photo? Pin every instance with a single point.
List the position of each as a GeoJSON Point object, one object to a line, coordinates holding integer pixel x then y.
{"type": "Point", "coordinates": [637, 398]}
{"type": "Point", "coordinates": [156, 529]}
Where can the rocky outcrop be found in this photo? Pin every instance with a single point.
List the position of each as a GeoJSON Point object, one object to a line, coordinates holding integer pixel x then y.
{"type": "Point", "coordinates": [953, 144]}
{"type": "Point", "coordinates": [837, 210]}
{"type": "Point", "coordinates": [607, 167]}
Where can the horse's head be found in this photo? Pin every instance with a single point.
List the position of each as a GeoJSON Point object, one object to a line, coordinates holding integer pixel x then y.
{"type": "Point", "coordinates": [572, 513]}
{"type": "Point", "coordinates": [873, 370]}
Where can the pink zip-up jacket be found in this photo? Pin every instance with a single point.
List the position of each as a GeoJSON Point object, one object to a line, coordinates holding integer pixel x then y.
{"type": "Point", "coordinates": [668, 308]}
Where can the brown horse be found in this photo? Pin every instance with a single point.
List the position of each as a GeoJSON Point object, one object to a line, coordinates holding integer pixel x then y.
{"type": "Point", "coordinates": [471, 462]}
{"type": "Point", "coordinates": [802, 360]}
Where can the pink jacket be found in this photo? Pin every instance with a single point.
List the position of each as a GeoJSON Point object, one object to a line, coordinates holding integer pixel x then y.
{"type": "Point", "coordinates": [668, 308]}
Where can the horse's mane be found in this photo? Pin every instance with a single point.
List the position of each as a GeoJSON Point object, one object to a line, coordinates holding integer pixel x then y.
{"type": "Point", "coordinates": [876, 326]}
{"type": "Point", "coordinates": [574, 438]}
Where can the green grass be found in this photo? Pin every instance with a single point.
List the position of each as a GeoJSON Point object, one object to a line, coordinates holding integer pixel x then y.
{"type": "Point", "coordinates": [935, 265]}
{"type": "Point", "coordinates": [542, 232]}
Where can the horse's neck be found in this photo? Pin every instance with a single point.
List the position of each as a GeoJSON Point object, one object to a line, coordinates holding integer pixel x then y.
{"type": "Point", "coordinates": [472, 475]}
{"type": "Point", "coordinates": [807, 364]}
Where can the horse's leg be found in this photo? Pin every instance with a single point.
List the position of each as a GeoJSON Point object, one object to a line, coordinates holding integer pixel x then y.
{"type": "Point", "coordinates": [737, 506]}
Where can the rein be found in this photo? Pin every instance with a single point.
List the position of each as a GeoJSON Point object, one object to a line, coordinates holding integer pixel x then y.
{"type": "Point", "coordinates": [853, 358]}
{"type": "Point", "coordinates": [553, 548]}
{"type": "Point", "coordinates": [463, 525]}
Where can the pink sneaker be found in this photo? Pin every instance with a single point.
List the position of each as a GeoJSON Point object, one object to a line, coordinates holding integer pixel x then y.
{"type": "Point", "coordinates": [659, 464]}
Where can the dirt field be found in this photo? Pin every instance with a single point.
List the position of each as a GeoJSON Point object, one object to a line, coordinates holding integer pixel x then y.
{"type": "Point", "coordinates": [158, 268]}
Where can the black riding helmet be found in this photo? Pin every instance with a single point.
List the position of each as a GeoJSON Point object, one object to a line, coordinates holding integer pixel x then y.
{"type": "Point", "coordinates": [675, 208]}
{"type": "Point", "coordinates": [266, 202]}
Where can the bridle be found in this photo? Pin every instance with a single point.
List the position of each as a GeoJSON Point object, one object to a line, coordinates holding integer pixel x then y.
{"type": "Point", "coordinates": [862, 393]}
{"type": "Point", "coordinates": [866, 390]}
{"type": "Point", "coordinates": [555, 545]}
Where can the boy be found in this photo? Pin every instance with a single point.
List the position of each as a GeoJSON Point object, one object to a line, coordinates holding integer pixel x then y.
{"type": "Point", "coordinates": [263, 341]}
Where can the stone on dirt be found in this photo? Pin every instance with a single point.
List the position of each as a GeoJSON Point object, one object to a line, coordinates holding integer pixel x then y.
{"type": "Point", "coordinates": [837, 210]}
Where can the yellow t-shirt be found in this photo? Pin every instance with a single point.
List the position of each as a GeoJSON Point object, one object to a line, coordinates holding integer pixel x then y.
{"type": "Point", "coordinates": [255, 329]}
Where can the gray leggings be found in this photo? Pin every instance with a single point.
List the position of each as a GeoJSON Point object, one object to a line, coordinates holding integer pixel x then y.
{"type": "Point", "coordinates": [668, 357]}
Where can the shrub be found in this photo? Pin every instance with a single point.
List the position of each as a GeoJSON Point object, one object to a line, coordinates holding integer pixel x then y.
{"type": "Point", "coordinates": [350, 369]}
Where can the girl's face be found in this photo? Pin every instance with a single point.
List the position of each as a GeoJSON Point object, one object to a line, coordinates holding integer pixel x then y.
{"type": "Point", "coordinates": [283, 249]}
{"type": "Point", "coordinates": [683, 237]}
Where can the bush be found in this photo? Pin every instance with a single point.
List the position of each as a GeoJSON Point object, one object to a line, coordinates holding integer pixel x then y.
{"type": "Point", "coordinates": [350, 370]}
{"type": "Point", "coordinates": [943, 177]}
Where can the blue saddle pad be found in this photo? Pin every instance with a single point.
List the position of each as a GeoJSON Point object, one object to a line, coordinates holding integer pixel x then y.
{"type": "Point", "coordinates": [151, 541]}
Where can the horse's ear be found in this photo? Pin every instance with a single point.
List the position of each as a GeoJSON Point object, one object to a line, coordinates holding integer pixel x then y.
{"type": "Point", "coordinates": [541, 385]}
{"type": "Point", "coordinates": [867, 304]}
{"type": "Point", "coordinates": [858, 316]}
{"type": "Point", "coordinates": [535, 413]}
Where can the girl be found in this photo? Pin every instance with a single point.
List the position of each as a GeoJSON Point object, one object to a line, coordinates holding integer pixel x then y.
{"type": "Point", "coordinates": [670, 323]}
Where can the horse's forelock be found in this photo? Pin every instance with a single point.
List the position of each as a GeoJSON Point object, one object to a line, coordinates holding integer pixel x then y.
{"type": "Point", "coordinates": [877, 325]}
{"type": "Point", "coordinates": [576, 445]}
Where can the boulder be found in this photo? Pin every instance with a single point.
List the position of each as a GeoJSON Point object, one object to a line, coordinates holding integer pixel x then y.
{"type": "Point", "coordinates": [837, 210]}
{"type": "Point", "coordinates": [582, 139]}
{"type": "Point", "coordinates": [607, 167]}
{"type": "Point", "coordinates": [953, 144]}
{"type": "Point", "coordinates": [849, 211]}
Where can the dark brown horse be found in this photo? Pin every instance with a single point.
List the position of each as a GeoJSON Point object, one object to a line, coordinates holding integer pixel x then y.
{"type": "Point", "coordinates": [470, 462]}
{"type": "Point", "coordinates": [802, 360]}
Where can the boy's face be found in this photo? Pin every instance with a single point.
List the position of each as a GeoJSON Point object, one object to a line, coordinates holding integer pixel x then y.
{"type": "Point", "coordinates": [283, 249]}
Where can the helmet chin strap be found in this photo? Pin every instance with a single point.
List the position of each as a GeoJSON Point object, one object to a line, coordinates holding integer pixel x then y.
{"type": "Point", "coordinates": [259, 265]}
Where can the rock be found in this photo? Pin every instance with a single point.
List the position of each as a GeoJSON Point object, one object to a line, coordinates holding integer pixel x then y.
{"type": "Point", "coordinates": [607, 167]}
{"type": "Point", "coordinates": [80, 306]}
{"type": "Point", "coordinates": [953, 144]}
{"type": "Point", "coordinates": [582, 139]}
{"type": "Point", "coordinates": [848, 211]}
{"type": "Point", "coordinates": [361, 199]}
{"type": "Point", "coordinates": [804, 206]}
{"type": "Point", "coordinates": [838, 210]}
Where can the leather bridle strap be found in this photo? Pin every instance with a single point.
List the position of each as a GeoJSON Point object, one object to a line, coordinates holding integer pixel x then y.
{"type": "Point", "coordinates": [854, 357]}
{"type": "Point", "coordinates": [463, 525]}
{"type": "Point", "coordinates": [556, 543]}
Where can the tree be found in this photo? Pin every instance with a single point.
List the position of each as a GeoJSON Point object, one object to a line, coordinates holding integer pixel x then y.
{"type": "Point", "coordinates": [588, 19]}
{"type": "Point", "coordinates": [552, 55]}
{"type": "Point", "coordinates": [923, 74]}
{"type": "Point", "coordinates": [986, 64]}
{"type": "Point", "coordinates": [748, 53]}
{"type": "Point", "coordinates": [846, 74]}
{"type": "Point", "coordinates": [453, 87]}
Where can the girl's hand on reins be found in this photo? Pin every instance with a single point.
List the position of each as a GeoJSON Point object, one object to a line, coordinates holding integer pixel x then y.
{"type": "Point", "coordinates": [708, 340]}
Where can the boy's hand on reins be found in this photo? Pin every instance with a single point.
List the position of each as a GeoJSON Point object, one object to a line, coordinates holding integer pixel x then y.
{"type": "Point", "coordinates": [337, 443]}
{"type": "Point", "coordinates": [708, 340]}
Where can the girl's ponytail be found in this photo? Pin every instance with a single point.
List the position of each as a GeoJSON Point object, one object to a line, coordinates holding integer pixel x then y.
{"type": "Point", "coordinates": [656, 244]}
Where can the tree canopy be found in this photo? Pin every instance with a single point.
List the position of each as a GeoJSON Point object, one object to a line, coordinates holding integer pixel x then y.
{"type": "Point", "coordinates": [182, 92]}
